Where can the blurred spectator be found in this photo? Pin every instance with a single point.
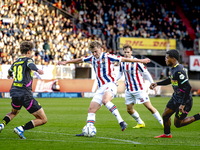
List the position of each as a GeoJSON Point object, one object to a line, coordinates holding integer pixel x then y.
{"type": "Point", "coordinates": [58, 4]}
{"type": "Point", "coordinates": [162, 76]}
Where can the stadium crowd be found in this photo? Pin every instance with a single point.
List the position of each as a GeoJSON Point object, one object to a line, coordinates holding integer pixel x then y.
{"type": "Point", "coordinates": [57, 38]}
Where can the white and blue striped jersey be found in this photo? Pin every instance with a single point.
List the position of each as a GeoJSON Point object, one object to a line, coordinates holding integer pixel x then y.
{"type": "Point", "coordinates": [103, 67]}
{"type": "Point", "coordinates": [134, 75]}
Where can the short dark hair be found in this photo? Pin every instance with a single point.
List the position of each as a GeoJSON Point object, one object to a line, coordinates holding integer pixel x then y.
{"type": "Point", "coordinates": [127, 46]}
{"type": "Point", "coordinates": [173, 54]}
{"type": "Point", "coordinates": [26, 46]}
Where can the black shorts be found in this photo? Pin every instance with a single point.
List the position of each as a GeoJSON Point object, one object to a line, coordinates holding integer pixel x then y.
{"type": "Point", "coordinates": [174, 105]}
{"type": "Point", "coordinates": [28, 102]}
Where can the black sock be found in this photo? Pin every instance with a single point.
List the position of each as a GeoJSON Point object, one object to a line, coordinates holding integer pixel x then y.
{"type": "Point", "coordinates": [28, 126]}
{"type": "Point", "coordinates": [6, 120]}
{"type": "Point", "coordinates": [197, 116]}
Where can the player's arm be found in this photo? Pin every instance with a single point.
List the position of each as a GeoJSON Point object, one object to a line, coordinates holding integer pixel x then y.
{"type": "Point", "coordinates": [33, 67]}
{"type": "Point", "coordinates": [145, 72]}
{"type": "Point", "coordinates": [120, 73]}
{"type": "Point", "coordinates": [144, 61]}
{"type": "Point", "coordinates": [10, 73]}
{"type": "Point", "coordinates": [163, 82]}
{"type": "Point", "coordinates": [148, 76]}
{"type": "Point", "coordinates": [78, 60]}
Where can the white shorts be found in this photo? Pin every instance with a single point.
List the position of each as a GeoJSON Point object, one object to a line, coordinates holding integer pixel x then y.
{"type": "Point", "coordinates": [138, 97]}
{"type": "Point", "coordinates": [100, 91]}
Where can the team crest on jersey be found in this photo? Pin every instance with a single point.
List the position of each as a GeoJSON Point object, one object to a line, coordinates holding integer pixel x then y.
{"type": "Point", "coordinates": [141, 100]}
{"type": "Point", "coordinates": [103, 60]}
{"type": "Point", "coordinates": [181, 76]}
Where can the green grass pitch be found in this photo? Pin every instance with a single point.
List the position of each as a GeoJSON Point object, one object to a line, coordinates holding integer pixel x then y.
{"type": "Point", "coordinates": [67, 117]}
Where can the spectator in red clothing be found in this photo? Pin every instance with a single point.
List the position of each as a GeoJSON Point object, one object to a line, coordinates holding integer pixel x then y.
{"type": "Point", "coordinates": [58, 4]}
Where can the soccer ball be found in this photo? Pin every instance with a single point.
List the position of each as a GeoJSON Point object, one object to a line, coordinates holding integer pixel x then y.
{"type": "Point", "coordinates": [89, 130]}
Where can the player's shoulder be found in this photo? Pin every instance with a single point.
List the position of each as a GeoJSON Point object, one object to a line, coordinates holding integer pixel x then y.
{"type": "Point", "coordinates": [179, 68]}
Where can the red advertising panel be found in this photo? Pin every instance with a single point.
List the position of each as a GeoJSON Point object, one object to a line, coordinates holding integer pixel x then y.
{"type": "Point", "coordinates": [65, 85]}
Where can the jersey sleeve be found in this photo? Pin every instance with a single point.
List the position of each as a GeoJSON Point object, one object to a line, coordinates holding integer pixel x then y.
{"type": "Point", "coordinates": [145, 72]}
{"type": "Point", "coordinates": [114, 58]}
{"type": "Point", "coordinates": [31, 65]}
{"type": "Point", "coordinates": [120, 73]}
{"type": "Point", "coordinates": [10, 70]}
{"type": "Point", "coordinates": [181, 77]}
{"type": "Point", "coordinates": [87, 59]}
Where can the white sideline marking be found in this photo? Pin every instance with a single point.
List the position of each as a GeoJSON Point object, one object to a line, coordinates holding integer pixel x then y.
{"type": "Point", "coordinates": [121, 140]}
{"type": "Point", "coordinates": [128, 141]}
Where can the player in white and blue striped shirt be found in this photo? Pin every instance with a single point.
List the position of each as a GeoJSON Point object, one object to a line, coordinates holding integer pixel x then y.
{"type": "Point", "coordinates": [103, 65]}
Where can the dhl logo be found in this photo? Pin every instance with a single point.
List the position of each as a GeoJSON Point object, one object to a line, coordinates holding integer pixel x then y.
{"type": "Point", "coordinates": [146, 43]}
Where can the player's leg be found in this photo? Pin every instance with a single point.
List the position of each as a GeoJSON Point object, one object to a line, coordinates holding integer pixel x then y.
{"type": "Point", "coordinates": [135, 115]}
{"type": "Point", "coordinates": [108, 95]}
{"type": "Point", "coordinates": [130, 100]}
{"type": "Point", "coordinates": [154, 111]}
{"type": "Point", "coordinates": [95, 105]}
{"type": "Point", "coordinates": [16, 106]}
{"type": "Point", "coordinates": [179, 123]}
{"type": "Point", "coordinates": [167, 123]}
{"type": "Point", "coordinates": [34, 108]}
{"type": "Point", "coordinates": [181, 119]}
{"type": "Point", "coordinates": [8, 118]}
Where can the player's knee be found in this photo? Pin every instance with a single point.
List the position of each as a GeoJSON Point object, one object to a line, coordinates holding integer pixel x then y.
{"type": "Point", "coordinates": [44, 120]}
{"type": "Point", "coordinates": [14, 112]}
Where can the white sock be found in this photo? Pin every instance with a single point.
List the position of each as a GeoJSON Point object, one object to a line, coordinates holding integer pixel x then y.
{"type": "Point", "coordinates": [91, 118]}
{"type": "Point", "coordinates": [158, 117]}
{"type": "Point", "coordinates": [136, 116]}
{"type": "Point", "coordinates": [113, 109]}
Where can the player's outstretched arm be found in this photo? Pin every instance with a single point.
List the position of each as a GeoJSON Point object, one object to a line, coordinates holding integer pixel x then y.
{"type": "Point", "coordinates": [40, 71]}
{"type": "Point", "coordinates": [78, 60]}
{"type": "Point", "coordinates": [144, 61]}
{"type": "Point", "coordinates": [153, 85]}
{"type": "Point", "coordinates": [163, 82]}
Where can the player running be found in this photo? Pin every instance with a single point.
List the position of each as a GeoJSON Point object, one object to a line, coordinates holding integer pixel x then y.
{"type": "Point", "coordinates": [135, 93]}
{"type": "Point", "coordinates": [181, 100]}
{"type": "Point", "coordinates": [103, 65]}
{"type": "Point", "coordinates": [21, 91]}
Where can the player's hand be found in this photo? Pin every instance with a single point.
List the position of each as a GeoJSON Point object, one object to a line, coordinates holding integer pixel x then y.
{"type": "Point", "coordinates": [153, 85]}
{"type": "Point", "coordinates": [40, 71]}
{"type": "Point", "coordinates": [62, 62]}
{"type": "Point", "coordinates": [9, 77]}
{"type": "Point", "coordinates": [146, 60]}
{"type": "Point", "coordinates": [181, 108]}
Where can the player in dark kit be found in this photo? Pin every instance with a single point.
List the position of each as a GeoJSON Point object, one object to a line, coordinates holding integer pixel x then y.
{"type": "Point", "coordinates": [181, 100]}
{"type": "Point", "coordinates": [21, 91]}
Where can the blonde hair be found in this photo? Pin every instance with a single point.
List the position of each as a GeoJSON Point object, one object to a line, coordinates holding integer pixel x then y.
{"type": "Point", "coordinates": [94, 44]}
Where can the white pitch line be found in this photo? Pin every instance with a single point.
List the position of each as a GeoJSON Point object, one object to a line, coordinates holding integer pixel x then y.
{"type": "Point", "coordinates": [121, 140]}
{"type": "Point", "coordinates": [128, 141]}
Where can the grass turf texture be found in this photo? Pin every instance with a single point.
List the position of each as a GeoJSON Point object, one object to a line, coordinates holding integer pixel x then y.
{"type": "Point", "coordinates": [67, 117]}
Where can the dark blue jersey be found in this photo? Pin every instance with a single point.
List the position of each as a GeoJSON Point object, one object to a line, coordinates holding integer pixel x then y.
{"type": "Point", "coordinates": [23, 76]}
{"type": "Point", "coordinates": [180, 84]}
